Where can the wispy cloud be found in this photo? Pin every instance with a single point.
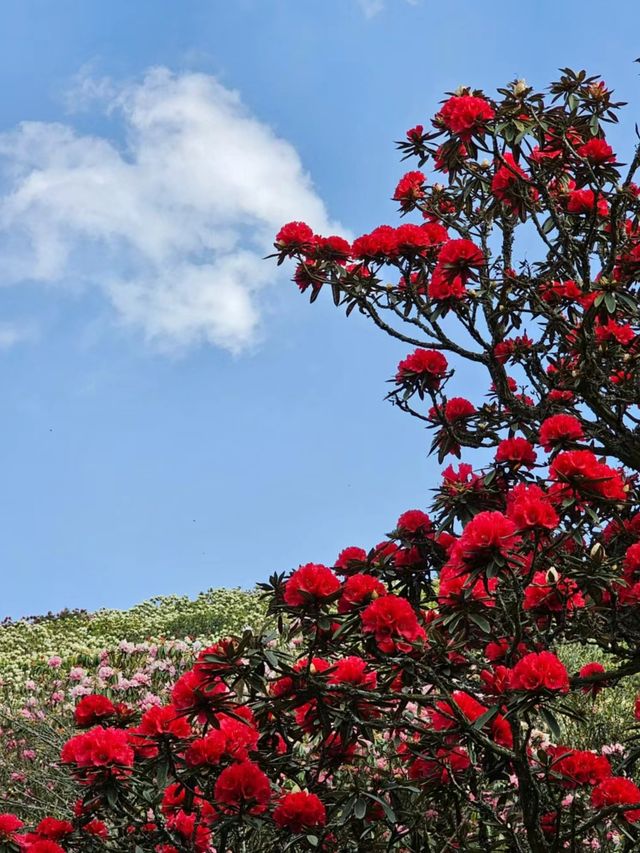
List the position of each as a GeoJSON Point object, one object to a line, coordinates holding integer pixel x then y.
{"type": "Point", "coordinates": [371, 8]}
{"type": "Point", "coordinates": [12, 334]}
{"type": "Point", "coordinates": [173, 224]}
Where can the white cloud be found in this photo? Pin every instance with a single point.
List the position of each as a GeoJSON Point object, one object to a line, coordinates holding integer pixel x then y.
{"type": "Point", "coordinates": [371, 8]}
{"type": "Point", "coordinates": [172, 225]}
{"type": "Point", "coordinates": [12, 334]}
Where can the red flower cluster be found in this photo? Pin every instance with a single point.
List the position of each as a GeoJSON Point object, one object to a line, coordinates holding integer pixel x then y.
{"type": "Point", "coordinates": [530, 508]}
{"type": "Point", "coordinates": [243, 786]}
{"type": "Point", "coordinates": [359, 589]}
{"type": "Point", "coordinates": [310, 584]}
{"type": "Point", "coordinates": [99, 750]}
{"type": "Point", "coordinates": [597, 152]}
{"type": "Point", "coordinates": [413, 522]}
{"type": "Point", "coordinates": [540, 671]}
{"type": "Point", "coordinates": [516, 451]}
{"type": "Point", "coordinates": [350, 560]}
{"type": "Point", "coordinates": [487, 535]}
{"type": "Point", "coordinates": [447, 762]}
{"type": "Point", "coordinates": [428, 365]}
{"type": "Point", "coordinates": [559, 429]}
{"type": "Point", "coordinates": [9, 825]}
{"type": "Point", "coordinates": [393, 623]}
{"type": "Point", "coordinates": [294, 237]}
{"type": "Point", "coordinates": [578, 767]}
{"type": "Point", "coordinates": [552, 595]}
{"type": "Point", "coordinates": [617, 791]}
{"type": "Point", "coordinates": [300, 812]}
{"type": "Point", "coordinates": [93, 709]}
{"type": "Point", "coordinates": [579, 471]}
{"type": "Point", "coordinates": [460, 258]}
{"type": "Point", "coordinates": [510, 185]}
{"type": "Point", "coordinates": [409, 189]}
{"type": "Point", "coordinates": [466, 115]}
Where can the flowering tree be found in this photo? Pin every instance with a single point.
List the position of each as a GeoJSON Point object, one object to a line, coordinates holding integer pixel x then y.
{"type": "Point", "coordinates": [413, 697]}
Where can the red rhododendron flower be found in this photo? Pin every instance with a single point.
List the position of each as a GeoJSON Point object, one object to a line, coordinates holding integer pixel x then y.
{"type": "Point", "coordinates": [540, 671]}
{"type": "Point", "coordinates": [206, 750]}
{"type": "Point", "coordinates": [455, 409]}
{"type": "Point", "coordinates": [510, 185]}
{"type": "Point", "coordinates": [194, 691]}
{"type": "Point", "coordinates": [350, 560]}
{"type": "Point", "coordinates": [552, 596]}
{"type": "Point", "coordinates": [93, 709]}
{"type": "Point", "coordinates": [584, 201]}
{"type": "Point", "coordinates": [597, 151]}
{"type": "Point", "coordinates": [459, 258]}
{"type": "Point", "coordinates": [590, 669]}
{"type": "Point", "coordinates": [96, 828]}
{"type": "Point", "coordinates": [427, 364]}
{"type": "Point", "coordinates": [578, 767]}
{"type": "Point", "coordinates": [99, 749]}
{"type": "Point", "coordinates": [294, 236]}
{"type": "Point", "coordinates": [310, 584]}
{"type": "Point", "coordinates": [353, 670]}
{"type": "Point", "coordinates": [359, 589]}
{"type": "Point", "coordinates": [516, 451]}
{"type": "Point", "coordinates": [530, 508]}
{"type": "Point", "coordinates": [379, 245]}
{"type": "Point", "coordinates": [412, 239]}
{"type": "Point", "coordinates": [409, 189]}
{"type": "Point", "coordinates": [164, 720]}
{"type": "Point", "coordinates": [458, 587]}
{"type": "Point", "coordinates": [443, 717]}
{"type": "Point", "coordinates": [51, 827]}
{"type": "Point", "coordinates": [556, 291]}
{"type": "Point", "coordinates": [187, 825]}
{"type": "Point", "coordinates": [44, 846]}
{"type": "Point", "coordinates": [631, 562]}
{"type": "Point", "coordinates": [466, 115]}
{"type": "Point", "coordinates": [581, 470]}
{"type": "Point", "coordinates": [332, 248]}
{"type": "Point", "coordinates": [488, 534]}
{"type": "Point", "coordinates": [496, 681]}
{"type": "Point", "coordinates": [617, 791]}
{"type": "Point", "coordinates": [9, 825]}
{"type": "Point", "coordinates": [414, 521]}
{"type": "Point", "coordinates": [243, 786]}
{"type": "Point", "coordinates": [612, 331]}
{"type": "Point", "coordinates": [446, 762]}
{"type": "Point", "coordinates": [436, 233]}
{"type": "Point", "coordinates": [416, 134]}
{"type": "Point", "coordinates": [462, 481]}
{"type": "Point", "coordinates": [393, 623]}
{"type": "Point", "coordinates": [559, 429]}
{"type": "Point", "coordinates": [443, 287]}
{"type": "Point", "coordinates": [300, 812]}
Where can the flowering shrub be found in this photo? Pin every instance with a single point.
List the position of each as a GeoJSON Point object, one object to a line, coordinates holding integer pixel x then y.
{"type": "Point", "coordinates": [418, 695]}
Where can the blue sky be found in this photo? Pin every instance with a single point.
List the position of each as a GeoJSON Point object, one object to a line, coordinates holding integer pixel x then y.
{"type": "Point", "coordinates": [174, 415]}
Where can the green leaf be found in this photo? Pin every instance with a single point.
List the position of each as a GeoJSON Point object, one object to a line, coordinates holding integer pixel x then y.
{"type": "Point", "coordinates": [551, 722]}
{"type": "Point", "coordinates": [485, 718]}
{"type": "Point", "coordinates": [360, 808]}
{"type": "Point", "coordinates": [481, 622]}
{"type": "Point", "coordinates": [389, 812]}
{"type": "Point", "coordinates": [610, 302]}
